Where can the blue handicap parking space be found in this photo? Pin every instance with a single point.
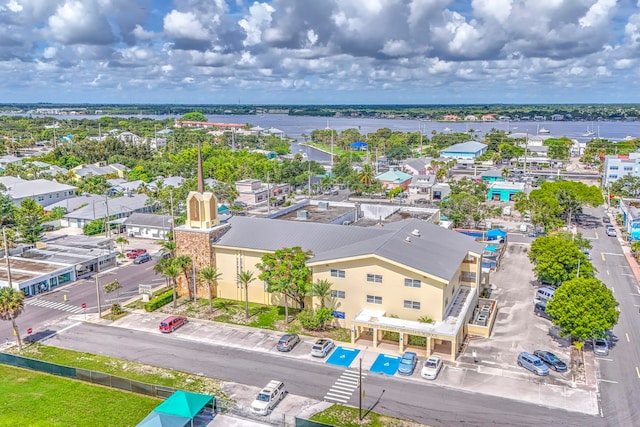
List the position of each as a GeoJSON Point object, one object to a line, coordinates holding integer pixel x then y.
{"type": "Point", "coordinates": [387, 365]}
{"type": "Point", "coordinates": [343, 356]}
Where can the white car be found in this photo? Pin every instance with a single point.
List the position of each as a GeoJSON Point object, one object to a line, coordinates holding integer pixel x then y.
{"type": "Point", "coordinates": [268, 397]}
{"type": "Point", "coordinates": [322, 347]}
{"type": "Point", "coordinates": [432, 367]}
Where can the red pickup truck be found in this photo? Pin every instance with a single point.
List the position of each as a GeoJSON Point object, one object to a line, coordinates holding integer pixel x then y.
{"type": "Point", "coordinates": [133, 253]}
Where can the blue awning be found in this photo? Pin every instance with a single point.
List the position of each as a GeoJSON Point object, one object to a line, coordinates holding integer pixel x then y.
{"type": "Point", "coordinates": [359, 144]}
{"type": "Point", "coordinates": [496, 232]}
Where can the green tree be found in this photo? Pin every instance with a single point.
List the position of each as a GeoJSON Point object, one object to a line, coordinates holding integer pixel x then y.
{"type": "Point", "coordinates": [168, 247]}
{"type": "Point", "coordinates": [7, 210]}
{"type": "Point", "coordinates": [29, 219]}
{"type": "Point", "coordinates": [583, 308]}
{"type": "Point", "coordinates": [210, 276]}
{"type": "Point", "coordinates": [245, 278]}
{"type": "Point", "coordinates": [322, 290]}
{"type": "Point", "coordinates": [571, 195]}
{"type": "Point", "coordinates": [557, 259]}
{"type": "Point", "coordinates": [11, 306]}
{"type": "Point", "coordinates": [194, 116]}
{"type": "Point", "coordinates": [367, 175]}
{"type": "Point", "coordinates": [168, 269]}
{"type": "Point", "coordinates": [122, 241]}
{"type": "Point", "coordinates": [113, 286]}
{"type": "Point", "coordinates": [398, 152]}
{"type": "Point", "coordinates": [285, 271]}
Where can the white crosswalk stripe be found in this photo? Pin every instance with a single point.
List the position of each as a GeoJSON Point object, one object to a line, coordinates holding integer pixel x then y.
{"type": "Point", "coordinates": [54, 305]}
{"type": "Point", "coordinates": [344, 387]}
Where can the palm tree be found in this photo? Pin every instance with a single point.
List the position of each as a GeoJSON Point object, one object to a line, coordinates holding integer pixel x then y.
{"type": "Point", "coordinates": [246, 277]}
{"type": "Point", "coordinates": [11, 306]}
{"type": "Point", "coordinates": [122, 241]}
{"type": "Point", "coordinates": [210, 277]}
{"type": "Point", "coordinates": [171, 271]}
{"type": "Point", "coordinates": [184, 263]}
{"type": "Point", "coordinates": [168, 247]}
{"type": "Point", "coordinates": [321, 289]}
{"type": "Point", "coordinates": [367, 175]}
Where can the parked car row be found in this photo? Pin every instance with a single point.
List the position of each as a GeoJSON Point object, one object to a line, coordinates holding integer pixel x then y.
{"type": "Point", "coordinates": [540, 361]}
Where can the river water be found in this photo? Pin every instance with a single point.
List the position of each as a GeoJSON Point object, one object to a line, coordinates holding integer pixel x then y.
{"type": "Point", "coordinates": [296, 126]}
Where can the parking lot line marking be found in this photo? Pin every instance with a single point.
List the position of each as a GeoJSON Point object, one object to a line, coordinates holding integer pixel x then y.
{"type": "Point", "coordinates": [612, 253]}
{"type": "Point", "coordinates": [607, 381]}
{"type": "Point", "coordinates": [627, 335]}
{"type": "Point", "coordinates": [612, 288]}
{"type": "Point", "coordinates": [327, 397]}
{"type": "Point", "coordinates": [604, 358]}
{"type": "Point", "coordinates": [602, 254]}
{"type": "Point", "coordinates": [638, 372]}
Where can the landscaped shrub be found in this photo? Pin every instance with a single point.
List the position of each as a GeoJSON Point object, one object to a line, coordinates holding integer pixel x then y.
{"type": "Point", "coordinates": [116, 309]}
{"type": "Point", "coordinates": [162, 299]}
{"type": "Point", "coordinates": [315, 321]}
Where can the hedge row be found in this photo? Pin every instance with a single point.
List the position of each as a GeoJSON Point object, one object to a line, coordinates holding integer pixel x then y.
{"type": "Point", "coordinates": [162, 299]}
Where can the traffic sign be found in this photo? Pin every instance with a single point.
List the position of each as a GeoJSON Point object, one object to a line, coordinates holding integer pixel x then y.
{"type": "Point", "coordinates": [84, 305]}
{"type": "Point", "coordinates": [29, 331]}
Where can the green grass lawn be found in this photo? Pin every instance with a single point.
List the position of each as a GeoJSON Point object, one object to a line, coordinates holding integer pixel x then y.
{"type": "Point", "coordinates": [346, 416]}
{"type": "Point", "coordinates": [34, 399]}
{"type": "Point", "coordinates": [122, 368]}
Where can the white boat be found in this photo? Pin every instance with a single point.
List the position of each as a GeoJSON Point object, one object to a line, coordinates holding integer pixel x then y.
{"type": "Point", "coordinates": [447, 130]}
{"type": "Point", "coordinates": [589, 132]}
{"type": "Point", "coordinates": [543, 130]}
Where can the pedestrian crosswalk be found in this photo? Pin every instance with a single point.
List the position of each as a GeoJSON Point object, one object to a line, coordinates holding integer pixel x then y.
{"type": "Point", "coordinates": [344, 387]}
{"type": "Point", "coordinates": [53, 305]}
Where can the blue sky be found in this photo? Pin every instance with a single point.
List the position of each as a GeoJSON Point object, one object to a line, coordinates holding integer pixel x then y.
{"type": "Point", "coordinates": [320, 51]}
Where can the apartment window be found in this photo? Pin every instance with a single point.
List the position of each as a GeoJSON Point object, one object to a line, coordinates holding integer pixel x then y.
{"type": "Point", "coordinates": [628, 168]}
{"type": "Point", "coordinates": [468, 276]}
{"type": "Point", "coordinates": [373, 299]}
{"type": "Point", "coordinates": [40, 198]}
{"type": "Point", "coordinates": [614, 176]}
{"type": "Point", "coordinates": [412, 283]}
{"type": "Point", "coordinates": [375, 278]}
{"type": "Point", "coordinates": [338, 294]}
{"type": "Point", "coordinates": [414, 305]}
{"type": "Point", "coordinates": [338, 273]}
{"type": "Point", "coordinates": [613, 168]}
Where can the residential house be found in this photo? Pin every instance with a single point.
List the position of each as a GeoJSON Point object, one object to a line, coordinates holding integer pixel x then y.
{"type": "Point", "coordinates": [440, 191]}
{"type": "Point", "coordinates": [450, 118]}
{"type": "Point", "coordinates": [117, 208]}
{"type": "Point", "coordinates": [419, 166]}
{"type": "Point", "coordinates": [557, 117]}
{"type": "Point", "coordinates": [122, 186]}
{"type": "Point", "coordinates": [630, 209]}
{"type": "Point", "coordinates": [130, 138]}
{"type": "Point", "coordinates": [83, 171]}
{"type": "Point", "coordinates": [9, 159]}
{"type": "Point", "coordinates": [148, 226]}
{"type": "Point", "coordinates": [43, 191]}
{"type": "Point", "coordinates": [47, 168]}
{"type": "Point", "coordinates": [394, 179]}
{"type": "Point", "coordinates": [421, 185]}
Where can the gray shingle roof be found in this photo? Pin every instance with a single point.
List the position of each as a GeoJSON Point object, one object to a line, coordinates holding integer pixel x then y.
{"type": "Point", "coordinates": [465, 147]}
{"type": "Point", "coordinates": [118, 207]}
{"type": "Point", "coordinates": [437, 251]}
{"type": "Point", "coordinates": [149, 220]}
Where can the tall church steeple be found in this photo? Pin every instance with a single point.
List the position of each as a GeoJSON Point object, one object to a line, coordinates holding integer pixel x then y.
{"type": "Point", "coordinates": [200, 173]}
{"type": "Point", "coordinates": [202, 206]}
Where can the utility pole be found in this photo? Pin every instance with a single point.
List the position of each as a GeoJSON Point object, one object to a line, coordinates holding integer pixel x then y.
{"type": "Point", "coordinates": [195, 279]}
{"type": "Point", "coordinates": [171, 213]}
{"type": "Point", "coordinates": [309, 174]}
{"type": "Point", "coordinates": [268, 195]}
{"type": "Point", "coordinates": [98, 292]}
{"type": "Point", "coordinates": [6, 256]}
{"type": "Point", "coordinates": [360, 392]}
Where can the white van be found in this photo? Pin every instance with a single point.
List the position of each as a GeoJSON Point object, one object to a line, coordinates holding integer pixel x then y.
{"type": "Point", "coordinates": [268, 397]}
{"type": "Point", "coordinates": [545, 294]}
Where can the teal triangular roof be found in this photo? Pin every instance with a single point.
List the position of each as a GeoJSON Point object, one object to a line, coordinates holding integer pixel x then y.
{"type": "Point", "coordinates": [184, 403]}
{"type": "Point", "coordinates": [394, 176]}
{"type": "Point", "coordinates": [160, 419]}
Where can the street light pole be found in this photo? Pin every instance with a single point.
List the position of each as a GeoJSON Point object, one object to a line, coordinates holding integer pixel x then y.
{"type": "Point", "coordinates": [98, 295]}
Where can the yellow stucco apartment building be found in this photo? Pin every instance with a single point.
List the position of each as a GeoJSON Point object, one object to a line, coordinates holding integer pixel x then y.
{"type": "Point", "coordinates": [385, 278]}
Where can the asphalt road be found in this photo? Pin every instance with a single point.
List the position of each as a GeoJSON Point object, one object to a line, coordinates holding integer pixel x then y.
{"type": "Point", "coordinates": [619, 381]}
{"type": "Point", "coordinates": [46, 309]}
{"type": "Point", "coordinates": [423, 402]}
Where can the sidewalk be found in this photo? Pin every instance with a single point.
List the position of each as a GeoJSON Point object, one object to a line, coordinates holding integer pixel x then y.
{"type": "Point", "coordinates": [485, 377]}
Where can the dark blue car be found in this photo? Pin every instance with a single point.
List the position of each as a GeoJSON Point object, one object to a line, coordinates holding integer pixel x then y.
{"type": "Point", "coordinates": [552, 360]}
